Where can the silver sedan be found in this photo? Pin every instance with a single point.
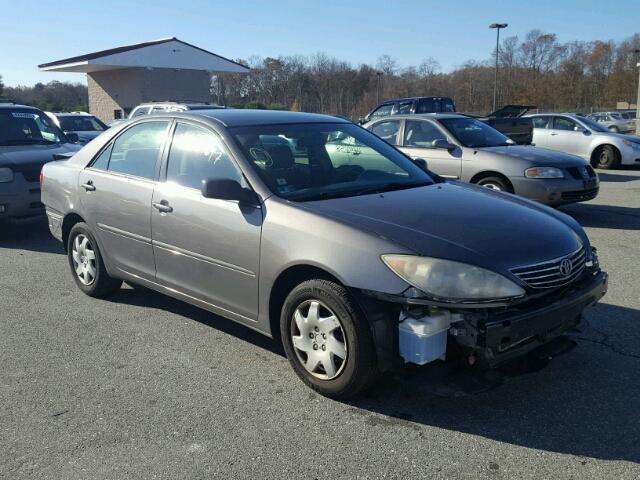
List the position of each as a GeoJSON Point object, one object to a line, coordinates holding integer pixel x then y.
{"type": "Point", "coordinates": [581, 136]}
{"type": "Point", "coordinates": [459, 147]}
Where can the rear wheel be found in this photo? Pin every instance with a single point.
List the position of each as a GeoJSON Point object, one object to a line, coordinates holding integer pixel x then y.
{"type": "Point", "coordinates": [327, 339]}
{"type": "Point", "coordinates": [495, 183]}
{"type": "Point", "coordinates": [607, 158]}
{"type": "Point", "coordinates": [86, 263]}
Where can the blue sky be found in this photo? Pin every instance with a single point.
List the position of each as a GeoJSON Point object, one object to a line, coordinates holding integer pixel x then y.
{"type": "Point", "coordinates": [358, 31]}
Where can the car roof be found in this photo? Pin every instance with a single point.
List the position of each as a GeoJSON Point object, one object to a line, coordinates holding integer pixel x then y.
{"type": "Point", "coordinates": [12, 106]}
{"type": "Point", "coordinates": [169, 102]}
{"type": "Point", "coordinates": [243, 118]}
{"type": "Point", "coordinates": [433, 116]}
{"type": "Point", "coordinates": [415, 98]}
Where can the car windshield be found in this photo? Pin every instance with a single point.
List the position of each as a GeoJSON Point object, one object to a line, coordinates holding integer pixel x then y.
{"type": "Point", "coordinates": [303, 162]}
{"type": "Point", "coordinates": [592, 125]}
{"type": "Point", "coordinates": [27, 127]}
{"type": "Point", "coordinates": [473, 133]}
{"type": "Point", "coordinates": [81, 123]}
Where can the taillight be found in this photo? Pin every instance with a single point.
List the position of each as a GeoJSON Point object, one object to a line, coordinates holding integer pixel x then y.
{"type": "Point", "coordinates": [41, 178]}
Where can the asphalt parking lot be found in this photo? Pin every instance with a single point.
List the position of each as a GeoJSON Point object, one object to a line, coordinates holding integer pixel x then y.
{"type": "Point", "coordinates": [143, 386]}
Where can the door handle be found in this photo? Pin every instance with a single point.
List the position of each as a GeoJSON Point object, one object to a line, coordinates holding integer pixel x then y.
{"type": "Point", "coordinates": [89, 187]}
{"type": "Point", "coordinates": [163, 206]}
{"type": "Point", "coordinates": [554, 134]}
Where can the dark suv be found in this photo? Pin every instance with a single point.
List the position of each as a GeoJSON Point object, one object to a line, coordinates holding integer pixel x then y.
{"type": "Point", "coordinates": [28, 140]}
{"type": "Point", "coordinates": [408, 106]}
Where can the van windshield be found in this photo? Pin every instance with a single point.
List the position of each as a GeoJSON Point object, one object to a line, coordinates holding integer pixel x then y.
{"type": "Point", "coordinates": [27, 127]}
{"type": "Point", "coordinates": [314, 161]}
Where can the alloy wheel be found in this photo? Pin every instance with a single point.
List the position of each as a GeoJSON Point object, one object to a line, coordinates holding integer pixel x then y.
{"type": "Point", "coordinates": [318, 340]}
{"type": "Point", "coordinates": [84, 260]}
{"type": "Point", "coordinates": [492, 186]}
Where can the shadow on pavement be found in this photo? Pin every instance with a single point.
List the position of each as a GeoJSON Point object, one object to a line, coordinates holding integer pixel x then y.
{"type": "Point", "coordinates": [608, 177]}
{"type": "Point", "coordinates": [585, 403]}
{"type": "Point", "coordinates": [144, 297]}
{"type": "Point", "coordinates": [604, 216]}
{"type": "Point", "coordinates": [32, 234]}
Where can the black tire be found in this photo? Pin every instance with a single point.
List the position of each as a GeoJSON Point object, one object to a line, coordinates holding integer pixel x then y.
{"type": "Point", "coordinates": [495, 183]}
{"type": "Point", "coordinates": [101, 285]}
{"type": "Point", "coordinates": [360, 366]}
{"type": "Point", "coordinates": [607, 158]}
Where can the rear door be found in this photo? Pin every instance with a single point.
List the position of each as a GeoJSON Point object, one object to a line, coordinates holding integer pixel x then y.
{"type": "Point", "coordinates": [541, 125]}
{"type": "Point", "coordinates": [419, 136]}
{"type": "Point", "coordinates": [208, 249]}
{"type": "Point", "coordinates": [116, 191]}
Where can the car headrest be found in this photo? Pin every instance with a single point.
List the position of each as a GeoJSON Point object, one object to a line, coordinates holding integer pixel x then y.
{"type": "Point", "coordinates": [281, 156]}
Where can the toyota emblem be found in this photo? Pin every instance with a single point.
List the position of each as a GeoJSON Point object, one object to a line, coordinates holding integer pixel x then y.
{"type": "Point", "coordinates": [565, 267]}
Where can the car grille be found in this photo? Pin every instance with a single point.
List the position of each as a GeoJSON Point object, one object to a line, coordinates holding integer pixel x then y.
{"type": "Point", "coordinates": [581, 195]}
{"type": "Point", "coordinates": [582, 173]}
{"type": "Point", "coordinates": [554, 273]}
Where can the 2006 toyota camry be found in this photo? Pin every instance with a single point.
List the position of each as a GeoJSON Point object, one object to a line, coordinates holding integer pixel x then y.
{"type": "Point", "coordinates": [358, 263]}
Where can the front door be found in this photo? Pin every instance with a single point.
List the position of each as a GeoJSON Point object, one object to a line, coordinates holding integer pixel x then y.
{"type": "Point", "coordinates": [206, 248]}
{"type": "Point", "coordinates": [116, 191]}
{"type": "Point", "coordinates": [419, 136]}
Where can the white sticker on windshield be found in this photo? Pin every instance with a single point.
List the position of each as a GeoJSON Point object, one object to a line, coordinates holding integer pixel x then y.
{"type": "Point", "coordinates": [23, 115]}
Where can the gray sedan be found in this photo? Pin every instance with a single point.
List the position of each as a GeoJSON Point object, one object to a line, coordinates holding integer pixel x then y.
{"type": "Point", "coordinates": [459, 147]}
{"type": "Point", "coordinates": [357, 266]}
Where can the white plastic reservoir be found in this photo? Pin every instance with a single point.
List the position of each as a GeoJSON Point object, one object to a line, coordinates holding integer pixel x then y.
{"type": "Point", "coordinates": [423, 340]}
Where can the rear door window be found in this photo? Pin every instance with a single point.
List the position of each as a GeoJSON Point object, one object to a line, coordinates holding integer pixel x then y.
{"type": "Point", "coordinates": [404, 108]}
{"type": "Point", "coordinates": [135, 152]}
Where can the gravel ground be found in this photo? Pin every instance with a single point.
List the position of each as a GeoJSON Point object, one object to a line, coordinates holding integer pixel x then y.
{"type": "Point", "coordinates": [143, 386]}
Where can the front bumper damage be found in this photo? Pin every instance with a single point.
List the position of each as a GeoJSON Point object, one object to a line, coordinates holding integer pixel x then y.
{"type": "Point", "coordinates": [491, 337]}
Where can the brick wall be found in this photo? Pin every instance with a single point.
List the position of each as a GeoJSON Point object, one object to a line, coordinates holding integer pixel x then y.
{"type": "Point", "coordinates": [123, 89]}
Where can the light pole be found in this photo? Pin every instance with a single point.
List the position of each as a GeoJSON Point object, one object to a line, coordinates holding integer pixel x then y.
{"type": "Point", "coordinates": [497, 26]}
{"type": "Point", "coordinates": [378, 74]}
{"type": "Point", "coordinates": [638, 102]}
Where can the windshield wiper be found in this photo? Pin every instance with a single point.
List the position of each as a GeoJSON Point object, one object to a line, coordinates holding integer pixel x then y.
{"type": "Point", "coordinates": [388, 187]}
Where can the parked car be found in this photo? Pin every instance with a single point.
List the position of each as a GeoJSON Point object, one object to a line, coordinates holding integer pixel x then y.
{"type": "Point", "coordinates": [410, 106]}
{"type": "Point", "coordinates": [613, 121]}
{"type": "Point", "coordinates": [81, 124]}
{"type": "Point", "coordinates": [464, 148]}
{"type": "Point", "coordinates": [357, 268]}
{"type": "Point", "coordinates": [582, 136]}
{"type": "Point", "coordinates": [509, 120]}
{"type": "Point", "coordinates": [152, 108]}
{"type": "Point", "coordinates": [28, 140]}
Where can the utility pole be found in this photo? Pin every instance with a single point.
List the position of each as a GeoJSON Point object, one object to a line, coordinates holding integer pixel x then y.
{"type": "Point", "coordinates": [638, 102]}
{"type": "Point", "coordinates": [378, 74]}
{"type": "Point", "coordinates": [497, 26]}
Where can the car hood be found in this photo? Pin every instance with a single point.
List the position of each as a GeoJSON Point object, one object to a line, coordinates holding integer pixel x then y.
{"type": "Point", "coordinates": [621, 136]}
{"type": "Point", "coordinates": [536, 156]}
{"type": "Point", "coordinates": [461, 222]}
{"type": "Point", "coordinates": [17, 156]}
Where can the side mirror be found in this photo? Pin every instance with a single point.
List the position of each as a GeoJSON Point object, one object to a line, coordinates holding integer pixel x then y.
{"type": "Point", "coordinates": [362, 120]}
{"type": "Point", "coordinates": [586, 131]}
{"type": "Point", "coordinates": [227, 189]}
{"type": "Point", "coordinates": [421, 163]}
{"type": "Point", "coordinates": [443, 145]}
{"type": "Point", "coordinates": [72, 137]}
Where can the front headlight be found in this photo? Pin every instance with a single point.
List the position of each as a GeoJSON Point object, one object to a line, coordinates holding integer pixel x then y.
{"type": "Point", "coordinates": [543, 172]}
{"type": "Point", "coordinates": [631, 144]}
{"type": "Point", "coordinates": [6, 175]}
{"type": "Point", "coordinates": [449, 280]}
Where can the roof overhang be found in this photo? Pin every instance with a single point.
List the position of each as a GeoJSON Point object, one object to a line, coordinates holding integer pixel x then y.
{"type": "Point", "coordinates": [164, 53]}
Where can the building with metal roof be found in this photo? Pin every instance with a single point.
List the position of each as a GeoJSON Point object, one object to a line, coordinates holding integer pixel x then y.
{"type": "Point", "coordinates": [160, 70]}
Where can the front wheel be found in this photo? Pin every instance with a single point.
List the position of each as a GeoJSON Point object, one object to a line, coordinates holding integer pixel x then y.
{"type": "Point", "coordinates": [327, 339]}
{"type": "Point", "coordinates": [607, 158]}
{"type": "Point", "coordinates": [494, 183]}
{"type": "Point", "coordinates": [614, 129]}
{"type": "Point", "coordinates": [86, 263]}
